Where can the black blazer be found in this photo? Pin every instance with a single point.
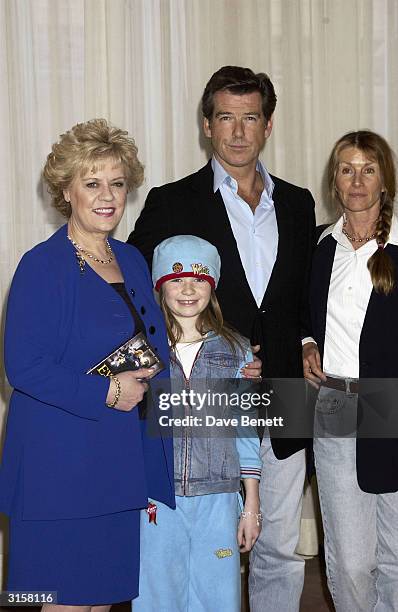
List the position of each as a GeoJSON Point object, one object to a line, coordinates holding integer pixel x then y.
{"type": "Point", "coordinates": [189, 206]}
{"type": "Point", "coordinates": [377, 459]}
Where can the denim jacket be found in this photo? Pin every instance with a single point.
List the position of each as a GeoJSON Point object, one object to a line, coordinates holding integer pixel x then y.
{"type": "Point", "coordinates": [207, 462]}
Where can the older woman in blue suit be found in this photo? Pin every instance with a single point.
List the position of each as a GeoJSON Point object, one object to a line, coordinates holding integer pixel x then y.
{"type": "Point", "coordinates": [78, 463]}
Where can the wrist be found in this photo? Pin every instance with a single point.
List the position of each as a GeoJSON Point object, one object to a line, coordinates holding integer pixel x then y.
{"type": "Point", "coordinates": [251, 507]}
{"type": "Point", "coordinates": [250, 515]}
{"type": "Point", "coordinates": [117, 391]}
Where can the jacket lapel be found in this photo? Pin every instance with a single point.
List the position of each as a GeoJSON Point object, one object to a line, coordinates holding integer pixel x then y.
{"type": "Point", "coordinates": [285, 222]}
{"type": "Point", "coordinates": [216, 228]}
{"type": "Point", "coordinates": [319, 290]}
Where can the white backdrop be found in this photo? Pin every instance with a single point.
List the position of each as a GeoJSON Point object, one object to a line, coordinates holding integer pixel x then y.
{"type": "Point", "coordinates": [143, 64]}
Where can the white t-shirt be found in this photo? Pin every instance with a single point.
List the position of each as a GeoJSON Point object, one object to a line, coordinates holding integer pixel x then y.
{"type": "Point", "coordinates": [186, 354]}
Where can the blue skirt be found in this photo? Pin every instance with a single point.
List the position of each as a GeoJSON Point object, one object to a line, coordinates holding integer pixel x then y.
{"type": "Point", "coordinates": [89, 561]}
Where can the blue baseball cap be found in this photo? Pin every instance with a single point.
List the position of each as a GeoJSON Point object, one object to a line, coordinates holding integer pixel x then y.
{"type": "Point", "coordinates": [181, 256]}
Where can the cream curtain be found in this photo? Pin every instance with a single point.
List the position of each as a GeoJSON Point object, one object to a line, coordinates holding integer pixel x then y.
{"type": "Point", "coordinates": [143, 65]}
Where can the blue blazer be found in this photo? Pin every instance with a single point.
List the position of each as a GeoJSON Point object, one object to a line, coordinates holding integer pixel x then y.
{"type": "Point", "coordinates": [66, 454]}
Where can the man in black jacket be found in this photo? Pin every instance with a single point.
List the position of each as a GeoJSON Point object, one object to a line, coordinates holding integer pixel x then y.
{"type": "Point", "coordinates": [263, 228]}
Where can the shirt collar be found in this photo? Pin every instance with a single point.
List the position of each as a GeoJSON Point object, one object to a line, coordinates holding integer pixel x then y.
{"type": "Point", "coordinates": [336, 231]}
{"type": "Point", "coordinates": [221, 176]}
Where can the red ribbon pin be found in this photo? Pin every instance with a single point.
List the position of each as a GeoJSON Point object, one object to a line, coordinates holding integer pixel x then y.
{"type": "Point", "coordinates": [151, 511]}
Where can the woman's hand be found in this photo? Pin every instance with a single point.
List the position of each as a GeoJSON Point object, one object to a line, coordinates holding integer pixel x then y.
{"type": "Point", "coordinates": [132, 389]}
{"type": "Point", "coordinates": [253, 368]}
{"type": "Point", "coordinates": [312, 365]}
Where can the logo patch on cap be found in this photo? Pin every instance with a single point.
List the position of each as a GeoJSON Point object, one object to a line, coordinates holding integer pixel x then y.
{"type": "Point", "coordinates": [199, 268]}
{"type": "Point", "coordinates": [177, 267]}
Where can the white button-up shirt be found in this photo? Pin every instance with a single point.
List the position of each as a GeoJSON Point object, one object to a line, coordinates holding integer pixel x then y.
{"type": "Point", "coordinates": [349, 294]}
{"type": "Point", "coordinates": [256, 234]}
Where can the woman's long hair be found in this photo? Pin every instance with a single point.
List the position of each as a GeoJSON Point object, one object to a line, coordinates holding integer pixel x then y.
{"type": "Point", "coordinates": [380, 264]}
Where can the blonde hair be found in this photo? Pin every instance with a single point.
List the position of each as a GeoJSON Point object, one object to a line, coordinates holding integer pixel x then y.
{"type": "Point", "coordinates": [82, 149]}
{"type": "Point", "coordinates": [380, 264]}
{"type": "Point", "coordinates": [210, 319]}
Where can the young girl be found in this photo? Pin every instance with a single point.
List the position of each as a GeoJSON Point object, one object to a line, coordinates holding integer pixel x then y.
{"type": "Point", "coordinates": [190, 556]}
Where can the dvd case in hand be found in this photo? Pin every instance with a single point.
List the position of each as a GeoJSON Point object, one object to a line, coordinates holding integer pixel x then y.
{"type": "Point", "coordinates": [134, 354]}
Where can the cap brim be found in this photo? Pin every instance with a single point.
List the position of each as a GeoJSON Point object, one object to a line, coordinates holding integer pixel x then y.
{"type": "Point", "coordinates": [167, 277]}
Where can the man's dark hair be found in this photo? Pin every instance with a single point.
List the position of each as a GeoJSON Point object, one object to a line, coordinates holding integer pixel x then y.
{"type": "Point", "coordinates": [238, 80]}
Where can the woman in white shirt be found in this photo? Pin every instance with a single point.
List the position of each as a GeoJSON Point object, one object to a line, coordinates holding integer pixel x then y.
{"type": "Point", "coordinates": [354, 313]}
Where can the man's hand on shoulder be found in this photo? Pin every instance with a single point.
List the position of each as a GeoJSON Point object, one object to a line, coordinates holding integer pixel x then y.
{"type": "Point", "coordinates": [253, 368]}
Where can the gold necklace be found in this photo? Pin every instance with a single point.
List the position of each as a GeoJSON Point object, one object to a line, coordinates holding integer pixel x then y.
{"type": "Point", "coordinates": [353, 239]}
{"type": "Point", "coordinates": [101, 261]}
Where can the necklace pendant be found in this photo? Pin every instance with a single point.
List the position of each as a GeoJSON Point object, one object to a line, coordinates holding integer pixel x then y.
{"type": "Point", "coordinates": [81, 261]}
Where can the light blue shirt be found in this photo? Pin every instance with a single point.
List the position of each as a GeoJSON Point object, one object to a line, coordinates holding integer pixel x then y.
{"type": "Point", "coordinates": [256, 234]}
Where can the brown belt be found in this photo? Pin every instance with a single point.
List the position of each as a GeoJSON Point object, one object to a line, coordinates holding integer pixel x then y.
{"type": "Point", "coordinates": [348, 385]}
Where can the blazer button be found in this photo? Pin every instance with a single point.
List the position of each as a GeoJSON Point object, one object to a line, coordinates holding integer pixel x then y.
{"type": "Point", "coordinates": [132, 292]}
{"type": "Point", "coordinates": [263, 311]}
{"type": "Point", "coordinates": [152, 329]}
{"type": "Point", "coordinates": [143, 311]}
